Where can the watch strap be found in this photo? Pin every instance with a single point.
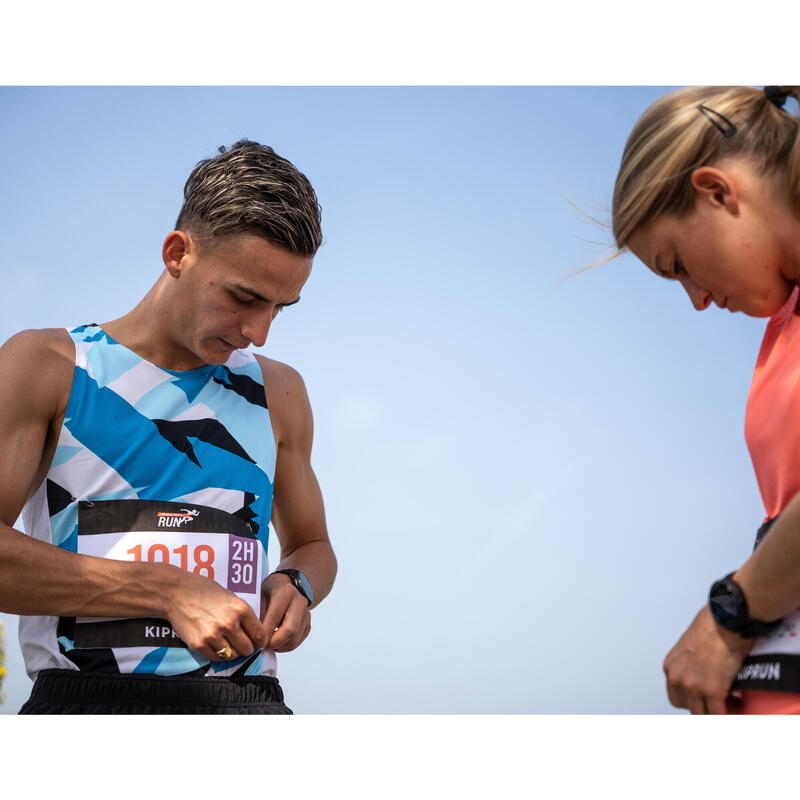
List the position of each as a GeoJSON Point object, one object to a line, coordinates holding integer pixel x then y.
{"type": "Point", "coordinates": [729, 608]}
{"type": "Point", "coordinates": [302, 584]}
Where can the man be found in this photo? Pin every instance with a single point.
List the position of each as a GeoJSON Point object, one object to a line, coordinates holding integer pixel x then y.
{"type": "Point", "coordinates": [147, 456]}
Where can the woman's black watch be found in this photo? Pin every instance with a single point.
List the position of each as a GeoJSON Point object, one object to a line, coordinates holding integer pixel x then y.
{"type": "Point", "coordinates": [729, 609]}
{"type": "Point", "coordinates": [301, 583]}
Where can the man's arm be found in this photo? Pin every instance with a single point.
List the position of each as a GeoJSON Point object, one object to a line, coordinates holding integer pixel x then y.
{"type": "Point", "coordinates": [36, 369]}
{"type": "Point", "coordinates": [703, 664]}
{"type": "Point", "coordinates": [298, 513]}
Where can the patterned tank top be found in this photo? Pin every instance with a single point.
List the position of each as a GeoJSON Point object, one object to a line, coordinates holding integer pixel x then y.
{"type": "Point", "coordinates": [161, 466]}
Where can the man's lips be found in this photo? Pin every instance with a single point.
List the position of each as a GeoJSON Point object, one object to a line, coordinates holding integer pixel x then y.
{"type": "Point", "coordinates": [230, 346]}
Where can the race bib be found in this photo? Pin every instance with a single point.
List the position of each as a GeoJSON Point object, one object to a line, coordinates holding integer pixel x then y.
{"type": "Point", "coordinates": [198, 539]}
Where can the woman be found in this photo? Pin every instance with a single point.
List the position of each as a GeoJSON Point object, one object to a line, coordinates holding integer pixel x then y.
{"type": "Point", "coordinates": [708, 194]}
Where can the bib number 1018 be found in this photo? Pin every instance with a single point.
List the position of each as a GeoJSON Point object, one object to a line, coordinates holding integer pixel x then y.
{"type": "Point", "coordinates": [202, 555]}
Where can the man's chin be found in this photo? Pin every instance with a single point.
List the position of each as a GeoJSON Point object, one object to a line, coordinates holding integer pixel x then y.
{"type": "Point", "coordinates": [216, 358]}
{"type": "Point", "coordinates": [217, 351]}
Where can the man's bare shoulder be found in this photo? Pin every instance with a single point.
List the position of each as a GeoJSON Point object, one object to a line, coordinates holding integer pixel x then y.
{"type": "Point", "coordinates": [45, 341]}
{"type": "Point", "coordinates": [41, 359]}
{"type": "Point", "coordinates": [280, 378]}
{"type": "Point", "coordinates": [287, 399]}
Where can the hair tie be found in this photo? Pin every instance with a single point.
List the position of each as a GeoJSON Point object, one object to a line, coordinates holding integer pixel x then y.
{"type": "Point", "coordinates": [776, 96]}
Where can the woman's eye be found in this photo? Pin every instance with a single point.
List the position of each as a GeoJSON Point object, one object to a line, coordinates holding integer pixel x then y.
{"type": "Point", "coordinates": [678, 268]}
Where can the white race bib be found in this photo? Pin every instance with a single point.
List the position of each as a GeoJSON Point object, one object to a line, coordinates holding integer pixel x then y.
{"type": "Point", "coordinates": [198, 539]}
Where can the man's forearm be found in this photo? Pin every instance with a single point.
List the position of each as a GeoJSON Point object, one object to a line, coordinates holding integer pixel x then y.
{"type": "Point", "coordinates": [318, 562]}
{"type": "Point", "coordinates": [770, 578]}
{"type": "Point", "coordinates": [40, 578]}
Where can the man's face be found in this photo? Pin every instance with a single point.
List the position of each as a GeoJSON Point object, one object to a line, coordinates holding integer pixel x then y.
{"type": "Point", "coordinates": [229, 293]}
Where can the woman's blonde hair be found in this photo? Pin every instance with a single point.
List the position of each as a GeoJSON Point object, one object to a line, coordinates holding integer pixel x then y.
{"type": "Point", "coordinates": [690, 128]}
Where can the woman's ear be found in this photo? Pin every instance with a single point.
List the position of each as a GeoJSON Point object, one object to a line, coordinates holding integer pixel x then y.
{"type": "Point", "coordinates": [717, 187]}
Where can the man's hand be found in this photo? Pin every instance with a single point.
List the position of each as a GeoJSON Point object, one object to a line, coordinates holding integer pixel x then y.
{"type": "Point", "coordinates": [287, 620]}
{"type": "Point", "coordinates": [702, 666]}
{"type": "Point", "coordinates": [208, 618]}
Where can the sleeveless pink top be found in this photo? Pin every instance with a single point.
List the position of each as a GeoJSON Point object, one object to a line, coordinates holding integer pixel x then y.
{"type": "Point", "coordinates": [770, 675]}
{"type": "Point", "coordinates": [772, 417]}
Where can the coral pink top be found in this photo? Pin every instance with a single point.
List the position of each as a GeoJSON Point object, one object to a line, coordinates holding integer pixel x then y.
{"type": "Point", "coordinates": [770, 675]}
{"type": "Point", "coordinates": [772, 417]}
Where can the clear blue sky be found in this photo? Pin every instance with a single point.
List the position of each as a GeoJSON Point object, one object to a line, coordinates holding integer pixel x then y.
{"type": "Point", "coordinates": [530, 483]}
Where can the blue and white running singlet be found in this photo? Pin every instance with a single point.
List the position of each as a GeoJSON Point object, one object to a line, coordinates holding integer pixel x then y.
{"type": "Point", "coordinates": [155, 465]}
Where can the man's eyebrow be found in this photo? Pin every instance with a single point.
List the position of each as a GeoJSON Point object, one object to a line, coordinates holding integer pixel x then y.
{"type": "Point", "coordinates": [257, 296]}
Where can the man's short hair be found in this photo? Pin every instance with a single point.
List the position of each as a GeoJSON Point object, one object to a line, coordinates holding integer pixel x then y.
{"type": "Point", "coordinates": [249, 188]}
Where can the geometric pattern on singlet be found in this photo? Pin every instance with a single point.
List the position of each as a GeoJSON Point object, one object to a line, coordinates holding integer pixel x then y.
{"type": "Point", "coordinates": [136, 431]}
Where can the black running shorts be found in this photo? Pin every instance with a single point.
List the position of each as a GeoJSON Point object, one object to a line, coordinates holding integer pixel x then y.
{"type": "Point", "coordinates": [65, 691]}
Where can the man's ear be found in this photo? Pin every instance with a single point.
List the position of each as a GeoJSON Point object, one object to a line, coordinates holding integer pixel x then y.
{"type": "Point", "coordinates": [717, 187]}
{"type": "Point", "coordinates": [176, 247]}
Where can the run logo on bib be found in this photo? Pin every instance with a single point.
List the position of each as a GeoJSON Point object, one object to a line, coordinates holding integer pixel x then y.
{"type": "Point", "coordinates": [174, 519]}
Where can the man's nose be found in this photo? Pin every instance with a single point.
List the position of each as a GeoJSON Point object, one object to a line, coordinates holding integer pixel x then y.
{"type": "Point", "coordinates": [256, 329]}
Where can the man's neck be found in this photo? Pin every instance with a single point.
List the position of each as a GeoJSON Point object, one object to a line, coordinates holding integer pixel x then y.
{"type": "Point", "coordinates": [145, 330]}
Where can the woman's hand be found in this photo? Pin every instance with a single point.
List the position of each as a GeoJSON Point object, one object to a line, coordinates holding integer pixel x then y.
{"type": "Point", "coordinates": [702, 666]}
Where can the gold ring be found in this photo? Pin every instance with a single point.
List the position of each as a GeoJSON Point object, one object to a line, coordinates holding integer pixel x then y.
{"type": "Point", "coordinates": [225, 652]}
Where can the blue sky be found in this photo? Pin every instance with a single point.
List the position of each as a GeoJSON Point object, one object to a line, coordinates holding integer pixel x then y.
{"type": "Point", "coordinates": [530, 483]}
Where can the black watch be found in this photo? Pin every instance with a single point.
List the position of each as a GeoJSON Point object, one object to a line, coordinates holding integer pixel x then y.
{"type": "Point", "coordinates": [301, 583]}
{"type": "Point", "coordinates": [729, 609]}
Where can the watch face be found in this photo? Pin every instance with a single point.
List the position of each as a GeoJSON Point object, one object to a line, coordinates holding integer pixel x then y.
{"type": "Point", "coordinates": [723, 602]}
{"type": "Point", "coordinates": [307, 590]}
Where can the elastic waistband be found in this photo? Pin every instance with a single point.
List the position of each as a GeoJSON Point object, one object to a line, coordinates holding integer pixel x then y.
{"type": "Point", "coordinates": [65, 685]}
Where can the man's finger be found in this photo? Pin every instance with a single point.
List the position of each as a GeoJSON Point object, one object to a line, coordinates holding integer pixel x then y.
{"type": "Point", "coordinates": [241, 642]}
{"type": "Point", "coordinates": [219, 650]}
{"type": "Point", "coordinates": [291, 625]}
{"type": "Point", "coordinates": [299, 638]}
{"type": "Point", "coordinates": [274, 616]}
{"type": "Point", "coordinates": [254, 630]}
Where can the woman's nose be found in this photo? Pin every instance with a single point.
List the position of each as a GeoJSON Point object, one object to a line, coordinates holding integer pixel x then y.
{"type": "Point", "coordinates": [701, 299]}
